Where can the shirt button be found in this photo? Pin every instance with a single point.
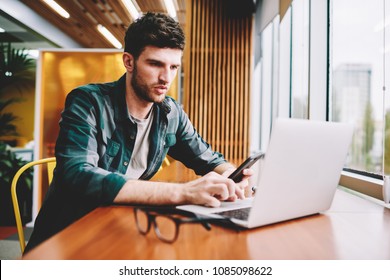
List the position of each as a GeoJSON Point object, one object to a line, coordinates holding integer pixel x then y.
{"type": "Point", "coordinates": [125, 163]}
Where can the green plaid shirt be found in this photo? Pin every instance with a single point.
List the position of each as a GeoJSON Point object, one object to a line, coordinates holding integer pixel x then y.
{"type": "Point", "coordinates": [94, 148]}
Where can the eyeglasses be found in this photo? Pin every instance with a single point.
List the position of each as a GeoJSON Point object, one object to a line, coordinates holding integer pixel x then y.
{"type": "Point", "coordinates": [166, 221]}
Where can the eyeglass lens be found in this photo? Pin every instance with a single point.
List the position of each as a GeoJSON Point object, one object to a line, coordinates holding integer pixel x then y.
{"type": "Point", "coordinates": [142, 221]}
{"type": "Point", "coordinates": [166, 228]}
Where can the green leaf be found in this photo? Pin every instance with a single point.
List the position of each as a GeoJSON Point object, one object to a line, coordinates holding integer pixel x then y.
{"type": "Point", "coordinates": [10, 164]}
{"type": "Point", "coordinates": [16, 72]}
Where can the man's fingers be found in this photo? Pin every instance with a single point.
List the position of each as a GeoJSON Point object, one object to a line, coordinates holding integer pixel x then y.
{"type": "Point", "coordinates": [248, 172]}
{"type": "Point", "coordinates": [219, 191]}
{"type": "Point", "coordinates": [214, 180]}
{"type": "Point", "coordinates": [211, 201]}
{"type": "Point", "coordinates": [240, 193]}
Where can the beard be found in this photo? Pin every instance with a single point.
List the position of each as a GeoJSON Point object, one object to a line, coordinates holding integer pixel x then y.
{"type": "Point", "coordinates": [142, 90]}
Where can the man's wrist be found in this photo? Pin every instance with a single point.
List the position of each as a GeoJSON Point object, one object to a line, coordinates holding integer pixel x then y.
{"type": "Point", "coordinates": [225, 169]}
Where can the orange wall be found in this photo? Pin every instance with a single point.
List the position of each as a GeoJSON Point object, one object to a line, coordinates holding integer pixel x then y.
{"type": "Point", "coordinates": [61, 72]}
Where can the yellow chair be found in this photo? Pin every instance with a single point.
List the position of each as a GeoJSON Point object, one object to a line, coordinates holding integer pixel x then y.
{"type": "Point", "coordinates": [51, 163]}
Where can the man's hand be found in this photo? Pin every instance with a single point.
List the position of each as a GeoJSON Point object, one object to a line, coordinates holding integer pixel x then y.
{"type": "Point", "coordinates": [211, 189]}
{"type": "Point", "coordinates": [240, 186]}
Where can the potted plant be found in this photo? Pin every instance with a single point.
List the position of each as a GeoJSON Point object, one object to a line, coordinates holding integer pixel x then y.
{"type": "Point", "coordinates": [9, 165]}
{"type": "Point", "coordinates": [16, 72]}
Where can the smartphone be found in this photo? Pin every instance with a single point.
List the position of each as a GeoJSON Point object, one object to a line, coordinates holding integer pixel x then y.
{"type": "Point", "coordinates": [237, 175]}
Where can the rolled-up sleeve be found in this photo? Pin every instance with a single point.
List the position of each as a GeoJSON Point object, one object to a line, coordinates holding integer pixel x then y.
{"type": "Point", "coordinates": [77, 152]}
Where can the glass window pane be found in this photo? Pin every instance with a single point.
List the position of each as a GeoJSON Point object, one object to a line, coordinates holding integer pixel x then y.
{"type": "Point", "coordinates": [357, 77]}
{"type": "Point", "coordinates": [384, 28]}
{"type": "Point", "coordinates": [284, 65]}
{"type": "Point", "coordinates": [300, 59]}
{"type": "Point", "coordinates": [266, 90]}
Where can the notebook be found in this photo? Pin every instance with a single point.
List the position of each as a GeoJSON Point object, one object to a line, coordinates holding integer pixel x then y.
{"type": "Point", "coordinates": [298, 176]}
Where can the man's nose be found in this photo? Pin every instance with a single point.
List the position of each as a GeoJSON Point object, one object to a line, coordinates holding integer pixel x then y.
{"type": "Point", "coordinates": [166, 76]}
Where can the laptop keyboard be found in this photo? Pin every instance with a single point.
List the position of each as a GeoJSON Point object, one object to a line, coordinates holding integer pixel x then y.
{"type": "Point", "coordinates": [240, 214]}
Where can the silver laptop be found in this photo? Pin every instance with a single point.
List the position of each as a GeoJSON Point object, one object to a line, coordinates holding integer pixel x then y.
{"type": "Point", "coordinates": [298, 176]}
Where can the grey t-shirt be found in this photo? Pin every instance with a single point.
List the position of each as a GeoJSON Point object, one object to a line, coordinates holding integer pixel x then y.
{"type": "Point", "coordinates": [139, 159]}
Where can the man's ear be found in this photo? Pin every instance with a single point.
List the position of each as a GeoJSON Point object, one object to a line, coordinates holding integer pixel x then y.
{"type": "Point", "coordinates": [128, 61]}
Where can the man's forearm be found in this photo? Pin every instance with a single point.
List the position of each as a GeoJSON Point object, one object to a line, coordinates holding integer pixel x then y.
{"type": "Point", "coordinates": [148, 192]}
{"type": "Point", "coordinates": [208, 190]}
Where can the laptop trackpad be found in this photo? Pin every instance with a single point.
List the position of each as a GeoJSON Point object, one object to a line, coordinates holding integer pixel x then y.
{"type": "Point", "coordinates": [225, 206]}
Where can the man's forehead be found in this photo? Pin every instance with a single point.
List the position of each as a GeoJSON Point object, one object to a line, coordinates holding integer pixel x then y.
{"type": "Point", "coordinates": [167, 55]}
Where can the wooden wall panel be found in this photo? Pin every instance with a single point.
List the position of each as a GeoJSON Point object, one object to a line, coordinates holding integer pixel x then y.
{"type": "Point", "coordinates": [218, 76]}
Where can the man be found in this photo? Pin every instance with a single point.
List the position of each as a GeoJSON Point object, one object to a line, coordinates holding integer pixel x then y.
{"type": "Point", "coordinates": [114, 136]}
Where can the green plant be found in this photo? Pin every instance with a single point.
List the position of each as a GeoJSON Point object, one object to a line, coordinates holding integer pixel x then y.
{"type": "Point", "coordinates": [16, 68]}
{"type": "Point", "coordinates": [7, 127]}
{"type": "Point", "coordinates": [16, 72]}
{"type": "Point", "coordinates": [9, 165]}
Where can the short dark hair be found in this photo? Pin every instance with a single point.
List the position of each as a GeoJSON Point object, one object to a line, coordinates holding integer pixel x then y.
{"type": "Point", "coordinates": [153, 29]}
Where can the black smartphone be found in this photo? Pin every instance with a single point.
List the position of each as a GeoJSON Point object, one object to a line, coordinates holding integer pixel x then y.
{"type": "Point", "coordinates": [237, 175]}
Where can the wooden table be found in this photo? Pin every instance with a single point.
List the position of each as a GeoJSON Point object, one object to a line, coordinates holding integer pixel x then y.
{"type": "Point", "coordinates": [354, 228]}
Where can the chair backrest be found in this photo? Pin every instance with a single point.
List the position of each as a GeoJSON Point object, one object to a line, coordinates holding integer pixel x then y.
{"type": "Point", "coordinates": [51, 162]}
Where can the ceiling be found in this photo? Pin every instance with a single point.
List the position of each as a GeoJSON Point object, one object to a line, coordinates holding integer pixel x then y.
{"type": "Point", "coordinates": [21, 36]}
{"type": "Point", "coordinates": [85, 15]}
{"type": "Point", "coordinates": [32, 24]}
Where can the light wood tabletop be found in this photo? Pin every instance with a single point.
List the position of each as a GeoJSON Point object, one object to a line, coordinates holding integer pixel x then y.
{"type": "Point", "coordinates": [353, 228]}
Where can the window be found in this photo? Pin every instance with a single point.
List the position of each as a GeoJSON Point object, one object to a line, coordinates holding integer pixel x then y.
{"type": "Point", "coordinates": [357, 65]}
{"type": "Point", "coordinates": [330, 62]}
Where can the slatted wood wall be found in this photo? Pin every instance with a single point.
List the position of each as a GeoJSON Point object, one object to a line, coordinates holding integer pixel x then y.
{"type": "Point", "coordinates": [218, 76]}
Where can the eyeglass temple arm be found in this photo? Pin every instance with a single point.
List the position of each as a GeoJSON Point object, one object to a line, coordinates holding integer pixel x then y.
{"type": "Point", "coordinates": [205, 221]}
